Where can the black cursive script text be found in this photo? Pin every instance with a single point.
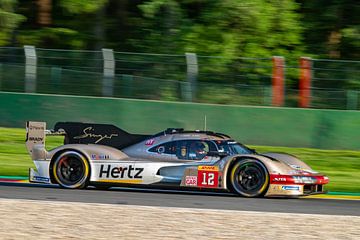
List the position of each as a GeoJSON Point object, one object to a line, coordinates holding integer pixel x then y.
{"type": "Point", "coordinates": [88, 134]}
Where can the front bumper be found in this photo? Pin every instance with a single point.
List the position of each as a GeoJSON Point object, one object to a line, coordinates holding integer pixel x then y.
{"type": "Point", "coordinates": [296, 185]}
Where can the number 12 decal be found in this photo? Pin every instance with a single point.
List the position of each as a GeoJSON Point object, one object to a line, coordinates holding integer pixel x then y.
{"type": "Point", "coordinates": [208, 176]}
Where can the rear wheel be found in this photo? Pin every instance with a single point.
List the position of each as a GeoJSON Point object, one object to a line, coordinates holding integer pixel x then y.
{"type": "Point", "coordinates": [71, 170]}
{"type": "Point", "coordinates": [249, 178]}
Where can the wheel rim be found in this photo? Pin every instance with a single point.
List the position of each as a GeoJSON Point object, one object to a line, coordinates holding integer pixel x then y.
{"type": "Point", "coordinates": [249, 179]}
{"type": "Point", "coordinates": [71, 170]}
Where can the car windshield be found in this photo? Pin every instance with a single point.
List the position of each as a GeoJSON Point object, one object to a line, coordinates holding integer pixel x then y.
{"type": "Point", "coordinates": [232, 147]}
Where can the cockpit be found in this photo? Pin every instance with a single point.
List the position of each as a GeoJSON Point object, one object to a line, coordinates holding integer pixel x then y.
{"type": "Point", "coordinates": [192, 149]}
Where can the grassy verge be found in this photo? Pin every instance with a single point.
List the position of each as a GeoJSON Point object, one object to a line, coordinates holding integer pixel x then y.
{"type": "Point", "coordinates": [343, 167]}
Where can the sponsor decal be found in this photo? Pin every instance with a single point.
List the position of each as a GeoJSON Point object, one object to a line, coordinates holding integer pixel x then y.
{"type": "Point", "coordinates": [208, 168]}
{"type": "Point", "coordinates": [290, 188]}
{"type": "Point", "coordinates": [161, 149]}
{"type": "Point", "coordinates": [33, 127]}
{"type": "Point", "coordinates": [100, 156]}
{"type": "Point", "coordinates": [89, 133]}
{"type": "Point", "coordinates": [304, 179]}
{"type": "Point", "coordinates": [279, 179]}
{"type": "Point", "coordinates": [150, 142]}
{"type": "Point", "coordinates": [107, 171]}
{"type": "Point", "coordinates": [41, 179]}
{"type": "Point", "coordinates": [191, 180]}
{"type": "Point", "coordinates": [297, 179]}
{"type": "Point", "coordinates": [208, 176]}
{"type": "Point", "coordinates": [183, 151]}
{"type": "Point", "coordinates": [36, 139]}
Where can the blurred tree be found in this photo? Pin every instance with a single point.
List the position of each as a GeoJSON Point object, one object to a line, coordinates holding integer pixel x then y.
{"type": "Point", "coordinates": [255, 28]}
{"type": "Point", "coordinates": [82, 6]}
{"type": "Point", "coordinates": [62, 24]}
{"type": "Point", "coordinates": [9, 20]}
{"type": "Point", "coordinates": [123, 20]}
{"type": "Point", "coordinates": [44, 16]}
{"type": "Point", "coordinates": [162, 26]}
{"type": "Point", "coordinates": [228, 28]}
{"type": "Point", "coordinates": [332, 27]}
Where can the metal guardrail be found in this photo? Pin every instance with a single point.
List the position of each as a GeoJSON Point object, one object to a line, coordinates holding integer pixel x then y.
{"type": "Point", "coordinates": [169, 77]}
{"type": "Point", "coordinates": [335, 84]}
{"type": "Point", "coordinates": [187, 77]}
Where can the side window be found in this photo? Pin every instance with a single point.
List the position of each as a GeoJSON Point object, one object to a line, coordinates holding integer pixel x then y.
{"type": "Point", "coordinates": [194, 149]}
{"type": "Point", "coordinates": [165, 148]}
{"type": "Point", "coordinates": [212, 146]}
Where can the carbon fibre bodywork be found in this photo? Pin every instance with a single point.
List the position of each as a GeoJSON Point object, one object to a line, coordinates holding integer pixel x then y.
{"type": "Point", "coordinates": [166, 158]}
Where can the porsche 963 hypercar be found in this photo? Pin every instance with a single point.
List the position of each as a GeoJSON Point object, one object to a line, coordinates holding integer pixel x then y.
{"type": "Point", "coordinates": [104, 155]}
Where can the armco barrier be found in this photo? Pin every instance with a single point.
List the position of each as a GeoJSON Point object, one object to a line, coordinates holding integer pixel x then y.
{"type": "Point", "coordinates": [328, 129]}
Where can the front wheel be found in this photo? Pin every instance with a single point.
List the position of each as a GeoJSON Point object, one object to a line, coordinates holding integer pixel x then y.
{"type": "Point", "coordinates": [71, 170]}
{"type": "Point", "coordinates": [249, 178]}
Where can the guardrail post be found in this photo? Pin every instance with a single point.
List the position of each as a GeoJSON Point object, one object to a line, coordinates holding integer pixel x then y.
{"type": "Point", "coordinates": [278, 89]}
{"type": "Point", "coordinates": [30, 68]}
{"type": "Point", "coordinates": [109, 72]}
{"type": "Point", "coordinates": [192, 73]}
{"type": "Point", "coordinates": [305, 82]}
{"type": "Point", "coordinates": [352, 100]}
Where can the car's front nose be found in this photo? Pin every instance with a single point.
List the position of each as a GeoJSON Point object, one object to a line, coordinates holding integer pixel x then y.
{"type": "Point", "coordinates": [296, 185]}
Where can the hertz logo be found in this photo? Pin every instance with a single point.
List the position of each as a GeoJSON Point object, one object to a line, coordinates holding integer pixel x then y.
{"type": "Point", "coordinates": [120, 172]}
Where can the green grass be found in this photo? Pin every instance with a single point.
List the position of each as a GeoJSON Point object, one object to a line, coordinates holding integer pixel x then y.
{"type": "Point", "coordinates": [14, 158]}
{"type": "Point", "coordinates": [343, 167]}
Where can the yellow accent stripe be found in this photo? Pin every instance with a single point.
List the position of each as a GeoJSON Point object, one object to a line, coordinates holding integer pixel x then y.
{"type": "Point", "coordinates": [120, 181]}
{"type": "Point", "coordinates": [325, 196]}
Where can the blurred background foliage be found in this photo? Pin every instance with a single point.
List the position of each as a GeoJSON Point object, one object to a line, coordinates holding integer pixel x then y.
{"type": "Point", "coordinates": [9, 20]}
{"type": "Point", "coordinates": [228, 28]}
{"type": "Point", "coordinates": [234, 41]}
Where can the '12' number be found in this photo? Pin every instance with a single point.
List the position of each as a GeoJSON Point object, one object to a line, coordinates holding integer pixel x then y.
{"type": "Point", "coordinates": [208, 178]}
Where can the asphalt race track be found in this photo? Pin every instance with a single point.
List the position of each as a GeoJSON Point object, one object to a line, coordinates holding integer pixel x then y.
{"type": "Point", "coordinates": [166, 198]}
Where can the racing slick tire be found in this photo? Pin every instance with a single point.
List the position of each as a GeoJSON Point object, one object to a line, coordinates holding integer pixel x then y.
{"type": "Point", "coordinates": [249, 178]}
{"type": "Point", "coordinates": [71, 170]}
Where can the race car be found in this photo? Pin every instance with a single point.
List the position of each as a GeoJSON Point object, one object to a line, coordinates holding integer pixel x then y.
{"type": "Point", "coordinates": [104, 155]}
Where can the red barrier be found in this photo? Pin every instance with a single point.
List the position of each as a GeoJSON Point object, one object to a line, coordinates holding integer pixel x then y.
{"type": "Point", "coordinates": [305, 82]}
{"type": "Point", "coordinates": [278, 81]}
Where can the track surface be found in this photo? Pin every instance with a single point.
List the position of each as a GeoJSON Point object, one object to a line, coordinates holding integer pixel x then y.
{"type": "Point", "coordinates": [179, 199]}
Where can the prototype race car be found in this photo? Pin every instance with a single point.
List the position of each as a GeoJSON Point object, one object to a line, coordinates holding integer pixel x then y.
{"type": "Point", "coordinates": [103, 156]}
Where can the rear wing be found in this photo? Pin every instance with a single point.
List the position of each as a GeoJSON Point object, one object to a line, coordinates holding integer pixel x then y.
{"type": "Point", "coordinates": [35, 139]}
{"type": "Point", "coordinates": [36, 133]}
{"type": "Point", "coordinates": [93, 133]}
{"type": "Point", "coordinates": [80, 133]}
